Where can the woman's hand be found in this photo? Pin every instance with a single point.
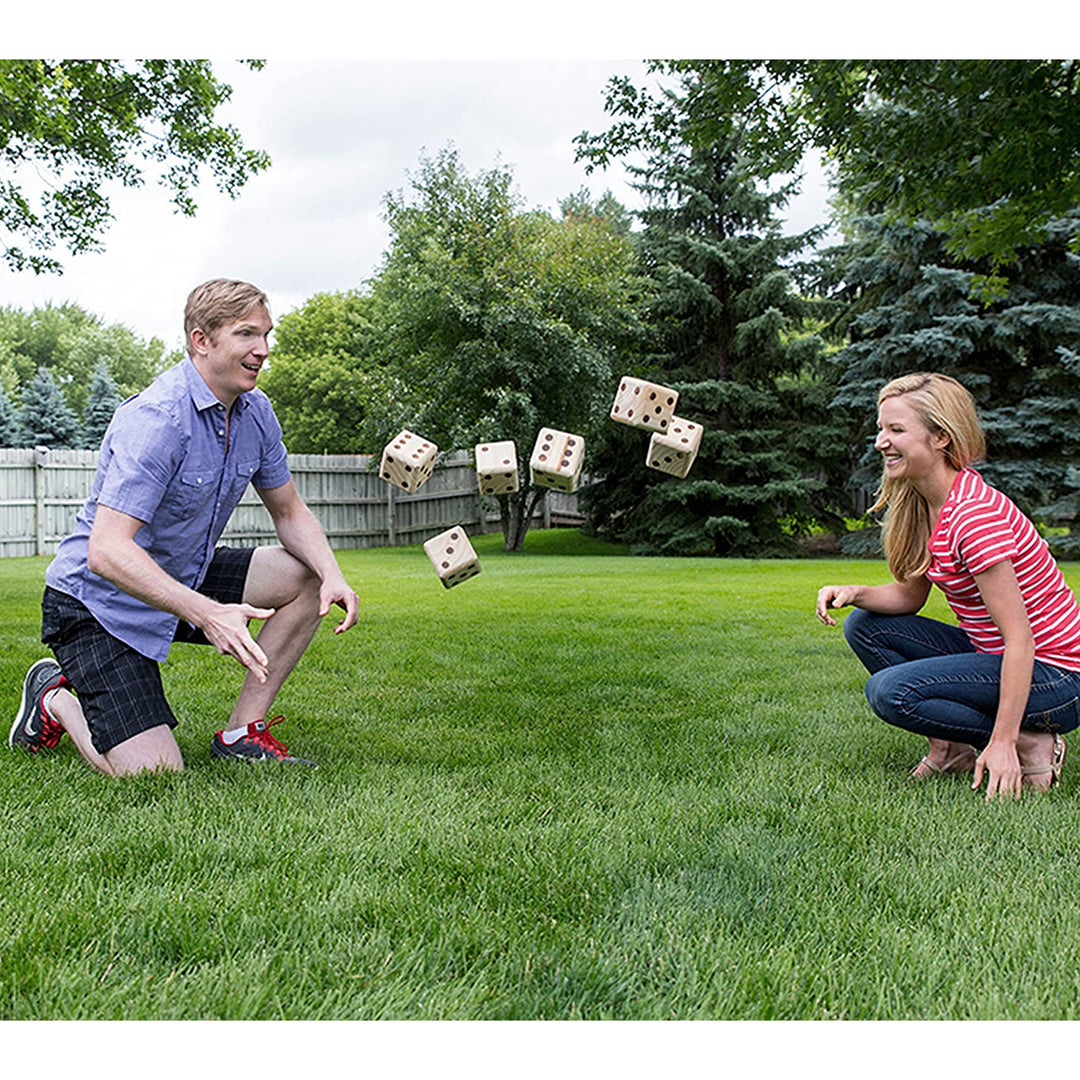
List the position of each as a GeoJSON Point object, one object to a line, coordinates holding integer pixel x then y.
{"type": "Point", "coordinates": [1001, 763]}
{"type": "Point", "coordinates": [834, 596]}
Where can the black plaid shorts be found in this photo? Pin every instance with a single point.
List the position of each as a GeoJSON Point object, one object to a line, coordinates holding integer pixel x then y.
{"type": "Point", "coordinates": [118, 688]}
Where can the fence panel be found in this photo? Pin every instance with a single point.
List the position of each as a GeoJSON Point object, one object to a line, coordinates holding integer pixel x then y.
{"type": "Point", "coordinates": [41, 492]}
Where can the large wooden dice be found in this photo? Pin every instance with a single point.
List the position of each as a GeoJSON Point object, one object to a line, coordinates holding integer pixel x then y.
{"type": "Point", "coordinates": [674, 451]}
{"type": "Point", "coordinates": [644, 404]}
{"type": "Point", "coordinates": [408, 461]}
{"type": "Point", "coordinates": [497, 468]}
{"type": "Point", "coordinates": [452, 556]}
{"type": "Point", "coordinates": [557, 459]}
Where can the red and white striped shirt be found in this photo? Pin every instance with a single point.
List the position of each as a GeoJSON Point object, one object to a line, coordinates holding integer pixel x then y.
{"type": "Point", "coordinates": [980, 527]}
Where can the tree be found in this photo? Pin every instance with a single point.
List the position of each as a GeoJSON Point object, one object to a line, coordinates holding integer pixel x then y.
{"type": "Point", "coordinates": [80, 124]}
{"type": "Point", "coordinates": [501, 320]}
{"type": "Point", "coordinates": [725, 319]}
{"type": "Point", "coordinates": [912, 310]}
{"type": "Point", "coordinates": [10, 427]}
{"type": "Point", "coordinates": [321, 375]}
{"type": "Point", "coordinates": [70, 342]}
{"type": "Point", "coordinates": [101, 403]}
{"type": "Point", "coordinates": [46, 418]}
{"type": "Point", "coordinates": [986, 151]}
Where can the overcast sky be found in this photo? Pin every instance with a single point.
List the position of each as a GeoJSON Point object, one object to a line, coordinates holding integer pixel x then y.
{"type": "Point", "coordinates": [341, 133]}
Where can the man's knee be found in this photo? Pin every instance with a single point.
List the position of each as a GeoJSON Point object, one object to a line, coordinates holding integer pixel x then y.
{"type": "Point", "coordinates": [276, 578]}
{"type": "Point", "coordinates": [154, 750]}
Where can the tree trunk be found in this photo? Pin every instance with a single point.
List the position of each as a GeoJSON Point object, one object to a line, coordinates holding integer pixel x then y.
{"type": "Point", "coordinates": [520, 510]}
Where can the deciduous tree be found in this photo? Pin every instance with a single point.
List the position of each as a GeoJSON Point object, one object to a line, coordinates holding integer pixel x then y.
{"type": "Point", "coordinates": [500, 319]}
{"type": "Point", "coordinates": [80, 125]}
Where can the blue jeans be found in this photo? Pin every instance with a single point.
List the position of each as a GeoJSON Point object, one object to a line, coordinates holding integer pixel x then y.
{"type": "Point", "coordinates": [926, 677]}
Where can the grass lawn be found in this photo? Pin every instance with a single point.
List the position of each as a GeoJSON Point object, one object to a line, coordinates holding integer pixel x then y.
{"type": "Point", "coordinates": [578, 785]}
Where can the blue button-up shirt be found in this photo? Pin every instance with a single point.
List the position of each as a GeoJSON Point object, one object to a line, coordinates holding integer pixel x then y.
{"type": "Point", "coordinates": [165, 462]}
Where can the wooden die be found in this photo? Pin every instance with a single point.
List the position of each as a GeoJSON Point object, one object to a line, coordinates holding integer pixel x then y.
{"type": "Point", "coordinates": [497, 468]}
{"type": "Point", "coordinates": [557, 459]}
{"type": "Point", "coordinates": [452, 556]}
{"type": "Point", "coordinates": [408, 461]}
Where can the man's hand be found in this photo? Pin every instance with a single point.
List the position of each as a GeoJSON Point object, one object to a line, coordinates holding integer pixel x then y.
{"type": "Point", "coordinates": [226, 628]}
{"type": "Point", "coordinates": [337, 592]}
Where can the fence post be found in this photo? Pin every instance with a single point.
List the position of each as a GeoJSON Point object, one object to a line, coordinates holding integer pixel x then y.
{"type": "Point", "coordinates": [391, 524]}
{"type": "Point", "coordinates": [41, 459]}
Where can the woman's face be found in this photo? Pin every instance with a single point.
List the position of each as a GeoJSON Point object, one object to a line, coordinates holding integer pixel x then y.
{"type": "Point", "coordinates": [908, 447]}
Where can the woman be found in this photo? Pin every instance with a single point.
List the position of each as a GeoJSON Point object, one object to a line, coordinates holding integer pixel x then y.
{"type": "Point", "coordinates": [995, 693]}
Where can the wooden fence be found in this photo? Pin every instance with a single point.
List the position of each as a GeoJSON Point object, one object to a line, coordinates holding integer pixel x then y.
{"type": "Point", "coordinates": [42, 490]}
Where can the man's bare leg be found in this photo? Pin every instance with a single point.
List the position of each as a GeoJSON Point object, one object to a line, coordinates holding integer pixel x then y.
{"type": "Point", "coordinates": [153, 749]}
{"type": "Point", "coordinates": [277, 580]}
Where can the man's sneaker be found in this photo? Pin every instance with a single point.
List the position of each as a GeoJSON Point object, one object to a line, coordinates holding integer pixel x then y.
{"type": "Point", "coordinates": [35, 727]}
{"type": "Point", "coordinates": [257, 745]}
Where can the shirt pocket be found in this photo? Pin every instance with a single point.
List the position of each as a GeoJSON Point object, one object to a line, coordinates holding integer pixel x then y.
{"type": "Point", "coordinates": [193, 488]}
{"type": "Point", "coordinates": [239, 477]}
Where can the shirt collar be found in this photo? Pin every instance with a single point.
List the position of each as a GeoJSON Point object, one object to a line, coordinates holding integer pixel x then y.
{"type": "Point", "coordinates": [201, 395]}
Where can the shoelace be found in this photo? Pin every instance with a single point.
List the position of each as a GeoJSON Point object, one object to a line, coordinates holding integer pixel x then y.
{"type": "Point", "coordinates": [265, 739]}
{"type": "Point", "coordinates": [51, 730]}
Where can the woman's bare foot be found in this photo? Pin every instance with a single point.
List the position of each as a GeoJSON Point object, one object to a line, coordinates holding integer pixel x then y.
{"type": "Point", "coordinates": [945, 757]}
{"type": "Point", "coordinates": [1041, 757]}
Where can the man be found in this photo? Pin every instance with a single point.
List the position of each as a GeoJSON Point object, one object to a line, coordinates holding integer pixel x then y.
{"type": "Point", "coordinates": [142, 568]}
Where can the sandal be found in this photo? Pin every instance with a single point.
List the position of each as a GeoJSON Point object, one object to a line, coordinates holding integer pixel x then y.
{"type": "Point", "coordinates": [1054, 768]}
{"type": "Point", "coordinates": [961, 761]}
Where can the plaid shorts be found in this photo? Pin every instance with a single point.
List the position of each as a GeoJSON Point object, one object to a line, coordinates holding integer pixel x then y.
{"type": "Point", "coordinates": [118, 688]}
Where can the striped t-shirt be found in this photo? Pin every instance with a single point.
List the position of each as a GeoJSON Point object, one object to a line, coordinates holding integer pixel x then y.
{"type": "Point", "coordinates": [980, 527]}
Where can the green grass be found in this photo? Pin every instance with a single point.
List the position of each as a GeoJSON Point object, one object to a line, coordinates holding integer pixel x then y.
{"type": "Point", "coordinates": [586, 787]}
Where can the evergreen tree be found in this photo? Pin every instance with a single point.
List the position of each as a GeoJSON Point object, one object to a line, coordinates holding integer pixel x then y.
{"type": "Point", "coordinates": [912, 310]}
{"type": "Point", "coordinates": [101, 403]}
{"type": "Point", "coordinates": [725, 317]}
{"type": "Point", "coordinates": [47, 420]}
{"type": "Point", "coordinates": [10, 428]}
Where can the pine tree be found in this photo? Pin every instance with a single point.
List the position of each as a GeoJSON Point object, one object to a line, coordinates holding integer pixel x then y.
{"type": "Point", "coordinates": [1020, 355]}
{"type": "Point", "coordinates": [101, 403]}
{"type": "Point", "coordinates": [725, 318]}
{"type": "Point", "coordinates": [47, 419]}
{"type": "Point", "coordinates": [10, 428]}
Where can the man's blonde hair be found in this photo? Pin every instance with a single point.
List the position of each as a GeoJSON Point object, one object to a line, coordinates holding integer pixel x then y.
{"type": "Point", "coordinates": [215, 303]}
{"type": "Point", "coordinates": [945, 407]}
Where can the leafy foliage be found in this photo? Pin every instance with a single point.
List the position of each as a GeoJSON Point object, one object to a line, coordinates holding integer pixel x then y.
{"type": "Point", "coordinates": [71, 343]}
{"type": "Point", "coordinates": [987, 151]}
{"type": "Point", "coordinates": [320, 375]}
{"type": "Point", "coordinates": [10, 424]}
{"type": "Point", "coordinates": [81, 124]}
{"type": "Point", "coordinates": [501, 320]}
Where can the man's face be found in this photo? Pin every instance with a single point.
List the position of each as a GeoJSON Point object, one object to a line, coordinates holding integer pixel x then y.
{"type": "Point", "coordinates": [230, 359]}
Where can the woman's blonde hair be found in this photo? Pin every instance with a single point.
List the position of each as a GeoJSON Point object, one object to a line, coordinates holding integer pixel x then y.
{"type": "Point", "coordinates": [944, 407]}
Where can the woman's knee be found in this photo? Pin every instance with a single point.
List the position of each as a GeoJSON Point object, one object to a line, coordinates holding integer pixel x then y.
{"type": "Point", "coordinates": [856, 627]}
{"type": "Point", "coordinates": [883, 694]}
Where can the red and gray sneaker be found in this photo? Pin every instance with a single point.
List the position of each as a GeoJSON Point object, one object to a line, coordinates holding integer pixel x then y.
{"type": "Point", "coordinates": [257, 744]}
{"type": "Point", "coordinates": [35, 727]}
